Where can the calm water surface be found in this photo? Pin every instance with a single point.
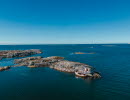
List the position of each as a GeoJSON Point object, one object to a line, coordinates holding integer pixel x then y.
{"type": "Point", "coordinates": [113, 61]}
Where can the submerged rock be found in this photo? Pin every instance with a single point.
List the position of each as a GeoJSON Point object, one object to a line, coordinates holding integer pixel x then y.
{"type": "Point", "coordinates": [84, 53]}
{"type": "Point", "coordinates": [18, 53]}
{"type": "Point", "coordinates": [79, 53]}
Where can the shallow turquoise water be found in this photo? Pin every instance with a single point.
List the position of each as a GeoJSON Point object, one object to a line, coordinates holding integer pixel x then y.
{"type": "Point", "coordinates": [113, 61]}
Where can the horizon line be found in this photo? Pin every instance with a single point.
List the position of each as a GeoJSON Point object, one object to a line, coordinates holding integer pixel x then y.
{"type": "Point", "coordinates": [55, 43]}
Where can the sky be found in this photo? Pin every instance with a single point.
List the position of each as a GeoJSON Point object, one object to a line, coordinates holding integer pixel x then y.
{"type": "Point", "coordinates": [64, 21]}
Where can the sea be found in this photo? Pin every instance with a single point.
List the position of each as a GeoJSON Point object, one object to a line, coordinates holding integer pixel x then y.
{"type": "Point", "coordinates": [43, 83]}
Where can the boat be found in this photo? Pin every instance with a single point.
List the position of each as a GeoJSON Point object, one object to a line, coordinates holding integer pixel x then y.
{"type": "Point", "coordinates": [82, 75]}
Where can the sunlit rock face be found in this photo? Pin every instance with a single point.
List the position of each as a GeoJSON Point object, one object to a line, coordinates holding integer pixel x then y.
{"type": "Point", "coordinates": [69, 66]}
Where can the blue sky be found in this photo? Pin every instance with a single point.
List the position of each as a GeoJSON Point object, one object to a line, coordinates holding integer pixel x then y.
{"type": "Point", "coordinates": [64, 21]}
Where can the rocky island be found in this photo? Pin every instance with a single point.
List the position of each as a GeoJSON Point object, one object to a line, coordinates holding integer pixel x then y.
{"type": "Point", "coordinates": [55, 62]}
{"type": "Point", "coordinates": [18, 53]}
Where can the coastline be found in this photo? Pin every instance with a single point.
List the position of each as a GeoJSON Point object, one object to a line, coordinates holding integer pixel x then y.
{"type": "Point", "coordinates": [55, 62]}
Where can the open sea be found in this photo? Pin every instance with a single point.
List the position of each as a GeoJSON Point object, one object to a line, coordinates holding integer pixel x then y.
{"type": "Point", "coordinates": [111, 60]}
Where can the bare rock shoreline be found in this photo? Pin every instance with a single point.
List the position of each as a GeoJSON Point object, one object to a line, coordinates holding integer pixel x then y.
{"type": "Point", "coordinates": [55, 62]}
{"type": "Point", "coordinates": [18, 53]}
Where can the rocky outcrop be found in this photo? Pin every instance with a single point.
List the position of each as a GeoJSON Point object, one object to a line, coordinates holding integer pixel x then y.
{"type": "Point", "coordinates": [17, 61]}
{"type": "Point", "coordinates": [54, 62]}
{"type": "Point", "coordinates": [69, 66]}
{"type": "Point", "coordinates": [4, 68]}
{"type": "Point", "coordinates": [57, 63]}
{"type": "Point", "coordinates": [18, 53]}
{"type": "Point", "coordinates": [37, 61]}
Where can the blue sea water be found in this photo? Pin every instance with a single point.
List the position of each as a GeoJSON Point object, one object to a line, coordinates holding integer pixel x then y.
{"type": "Point", "coordinates": [112, 61]}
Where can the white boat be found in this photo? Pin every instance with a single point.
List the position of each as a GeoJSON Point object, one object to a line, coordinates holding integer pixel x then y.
{"type": "Point", "coordinates": [82, 75]}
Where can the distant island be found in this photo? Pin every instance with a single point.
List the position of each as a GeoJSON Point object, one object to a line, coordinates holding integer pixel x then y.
{"type": "Point", "coordinates": [84, 53]}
